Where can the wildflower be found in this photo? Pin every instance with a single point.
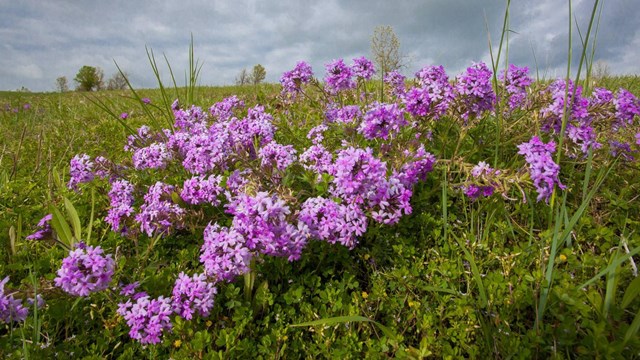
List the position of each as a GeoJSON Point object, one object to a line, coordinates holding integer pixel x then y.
{"type": "Point", "coordinates": [357, 175]}
{"type": "Point", "coordinates": [316, 158]}
{"type": "Point", "coordinates": [154, 156]}
{"type": "Point", "coordinates": [224, 253]}
{"type": "Point", "coordinates": [277, 156]}
{"type": "Point", "coordinates": [121, 208]}
{"type": "Point", "coordinates": [338, 77]}
{"type": "Point", "coordinates": [474, 91]}
{"type": "Point", "coordinates": [85, 270]}
{"type": "Point", "coordinates": [158, 213]}
{"type": "Point", "coordinates": [147, 318]}
{"type": "Point", "coordinates": [146, 100]}
{"type": "Point", "coordinates": [10, 309]}
{"type": "Point", "coordinates": [191, 295]}
{"type": "Point", "coordinates": [177, 343]}
{"type": "Point", "coordinates": [435, 82]}
{"type": "Point", "coordinates": [542, 169]}
{"type": "Point", "coordinates": [44, 229]}
{"type": "Point", "coordinates": [81, 171]}
{"type": "Point", "coordinates": [396, 81]}
{"type": "Point", "coordinates": [293, 80]}
{"type": "Point", "coordinates": [331, 222]}
{"type": "Point", "coordinates": [516, 80]}
{"type": "Point", "coordinates": [223, 110]}
{"type": "Point", "coordinates": [124, 116]}
{"type": "Point", "coordinates": [365, 295]}
{"type": "Point", "coordinates": [202, 190]}
{"type": "Point", "coordinates": [129, 289]}
{"type": "Point", "coordinates": [381, 120]}
{"type": "Point", "coordinates": [363, 68]}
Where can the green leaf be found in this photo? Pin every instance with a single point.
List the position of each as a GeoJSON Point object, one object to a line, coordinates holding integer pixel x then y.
{"type": "Point", "coordinates": [632, 291]}
{"type": "Point", "coordinates": [75, 219]}
{"type": "Point", "coordinates": [633, 328]}
{"type": "Point", "coordinates": [60, 226]}
{"type": "Point", "coordinates": [344, 319]}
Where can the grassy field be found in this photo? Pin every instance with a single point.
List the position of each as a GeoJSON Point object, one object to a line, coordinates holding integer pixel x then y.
{"type": "Point", "coordinates": [457, 277]}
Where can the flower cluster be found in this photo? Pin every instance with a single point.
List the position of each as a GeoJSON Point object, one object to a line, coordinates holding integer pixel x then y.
{"type": "Point", "coordinates": [433, 81]}
{"type": "Point", "coordinates": [542, 169]}
{"type": "Point", "coordinates": [121, 195]}
{"type": "Point", "coordinates": [202, 190]}
{"type": "Point", "coordinates": [10, 309]}
{"type": "Point", "coordinates": [395, 81]}
{"type": "Point", "coordinates": [516, 81]}
{"type": "Point", "coordinates": [81, 171]}
{"type": "Point", "coordinates": [474, 91]}
{"type": "Point", "coordinates": [224, 253]}
{"type": "Point", "coordinates": [332, 222]}
{"type": "Point", "coordinates": [363, 68]}
{"type": "Point", "coordinates": [147, 318]}
{"type": "Point", "coordinates": [159, 213]}
{"type": "Point", "coordinates": [274, 155]}
{"type": "Point", "coordinates": [483, 181]}
{"type": "Point", "coordinates": [339, 77]}
{"type": "Point", "coordinates": [293, 80]}
{"type": "Point", "coordinates": [381, 120]}
{"type": "Point", "coordinates": [85, 270]}
{"type": "Point", "coordinates": [191, 295]}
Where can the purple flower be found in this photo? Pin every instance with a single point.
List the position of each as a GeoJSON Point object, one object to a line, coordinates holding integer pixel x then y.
{"type": "Point", "coordinates": [129, 289]}
{"type": "Point", "coordinates": [391, 201]}
{"type": "Point", "coordinates": [147, 318]}
{"type": "Point", "coordinates": [335, 223]}
{"type": "Point", "coordinates": [146, 100]}
{"type": "Point", "coordinates": [44, 229]}
{"type": "Point", "coordinates": [274, 155]}
{"type": "Point", "coordinates": [85, 270]}
{"type": "Point", "coordinates": [338, 77]}
{"type": "Point", "coordinates": [434, 80]}
{"type": "Point", "coordinates": [81, 171]}
{"type": "Point", "coordinates": [224, 253]}
{"type": "Point", "coordinates": [124, 116]}
{"type": "Point", "coordinates": [627, 107]}
{"type": "Point", "coordinates": [417, 168]}
{"type": "Point", "coordinates": [542, 169]}
{"type": "Point", "coordinates": [474, 91]}
{"type": "Point", "coordinates": [552, 113]}
{"type": "Point", "coordinates": [417, 101]}
{"type": "Point", "coordinates": [11, 309]}
{"type": "Point", "coordinates": [382, 120]}
{"type": "Point", "coordinates": [316, 134]}
{"type": "Point", "coordinates": [293, 80]}
{"type": "Point", "coordinates": [223, 110]}
{"type": "Point", "coordinates": [345, 115]}
{"type": "Point", "coordinates": [159, 213]}
{"type": "Point", "coordinates": [191, 295]}
{"type": "Point", "coordinates": [154, 156]}
{"type": "Point", "coordinates": [262, 221]}
{"type": "Point", "coordinates": [316, 158]}
{"type": "Point", "coordinates": [357, 175]}
{"type": "Point", "coordinates": [202, 190]}
{"type": "Point", "coordinates": [121, 195]}
{"type": "Point", "coordinates": [396, 81]}
{"type": "Point", "coordinates": [516, 80]}
{"type": "Point", "coordinates": [363, 68]}
{"type": "Point", "coordinates": [622, 149]}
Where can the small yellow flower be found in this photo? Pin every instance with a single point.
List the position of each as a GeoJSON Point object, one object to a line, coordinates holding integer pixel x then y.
{"type": "Point", "coordinates": [367, 256]}
{"type": "Point", "coordinates": [285, 338]}
{"type": "Point", "coordinates": [411, 303]}
{"type": "Point", "coordinates": [562, 257]}
{"type": "Point", "coordinates": [177, 343]}
{"type": "Point", "coordinates": [365, 295]}
{"type": "Point", "coordinates": [208, 323]}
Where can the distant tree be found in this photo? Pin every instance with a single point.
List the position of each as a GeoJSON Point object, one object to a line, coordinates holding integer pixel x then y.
{"type": "Point", "coordinates": [23, 89]}
{"type": "Point", "coordinates": [600, 70]}
{"type": "Point", "coordinates": [258, 74]}
{"type": "Point", "coordinates": [117, 82]}
{"type": "Point", "coordinates": [89, 78]}
{"type": "Point", "coordinates": [61, 84]}
{"type": "Point", "coordinates": [385, 48]}
{"type": "Point", "coordinates": [243, 78]}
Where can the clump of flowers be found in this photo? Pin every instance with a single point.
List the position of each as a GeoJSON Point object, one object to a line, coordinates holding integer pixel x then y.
{"type": "Point", "coordinates": [159, 213]}
{"type": "Point", "coordinates": [10, 309]}
{"type": "Point", "coordinates": [85, 270]}
{"type": "Point", "coordinates": [395, 81]}
{"type": "Point", "coordinates": [329, 221]}
{"type": "Point", "coordinates": [293, 80]}
{"type": "Point", "coordinates": [202, 190]}
{"type": "Point", "coordinates": [274, 155]}
{"type": "Point", "coordinates": [381, 120]}
{"type": "Point", "coordinates": [483, 181]}
{"type": "Point", "coordinates": [192, 295]}
{"type": "Point", "coordinates": [224, 253]}
{"type": "Point", "coordinates": [147, 318]}
{"type": "Point", "coordinates": [121, 195]}
{"type": "Point", "coordinates": [81, 171]}
{"type": "Point", "coordinates": [363, 68]}
{"type": "Point", "coordinates": [516, 81]}
{"type": "Point", "coordinates": [474, 91]}
{"type": "Point", "coordinates": [339, 77]}
{"type": "Point", "coordinates": [542, 169]}
{"type": "Point", "coordinates": [433, 81]}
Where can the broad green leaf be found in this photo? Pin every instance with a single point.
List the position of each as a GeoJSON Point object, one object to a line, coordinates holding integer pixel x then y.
{"type": "Point", "coordinates": [75, 219]}
{"type": "Point", "coordinates": [59, 224]}
{"type": "Point", "coordinates": [632, 291]}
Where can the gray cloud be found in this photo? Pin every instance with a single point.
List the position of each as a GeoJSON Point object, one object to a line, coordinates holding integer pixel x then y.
{"type": "Point", "coordinates": [42, 40]}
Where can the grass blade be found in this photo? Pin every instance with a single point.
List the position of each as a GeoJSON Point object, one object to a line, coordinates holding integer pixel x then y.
{"type": "Point", "coordinates": [343, 319]}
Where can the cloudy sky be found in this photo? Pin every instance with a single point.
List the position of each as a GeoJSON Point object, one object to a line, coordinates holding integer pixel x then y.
{"type": "Point", "coordinates": [42, 40]}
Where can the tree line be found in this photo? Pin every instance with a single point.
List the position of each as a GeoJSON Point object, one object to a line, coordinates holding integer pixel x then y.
{"type": "Point", "coordinates": [91, 78]}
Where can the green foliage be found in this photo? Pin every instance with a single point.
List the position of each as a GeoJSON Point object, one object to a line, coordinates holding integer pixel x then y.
{"type": "Point", "coordinates": [258, 74]}
{"type": "Point", "coordinates": [89, 78]}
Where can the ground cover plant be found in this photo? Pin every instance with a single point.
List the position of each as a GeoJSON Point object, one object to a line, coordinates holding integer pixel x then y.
{"type": "Point", "coordinates": [486, 213]}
